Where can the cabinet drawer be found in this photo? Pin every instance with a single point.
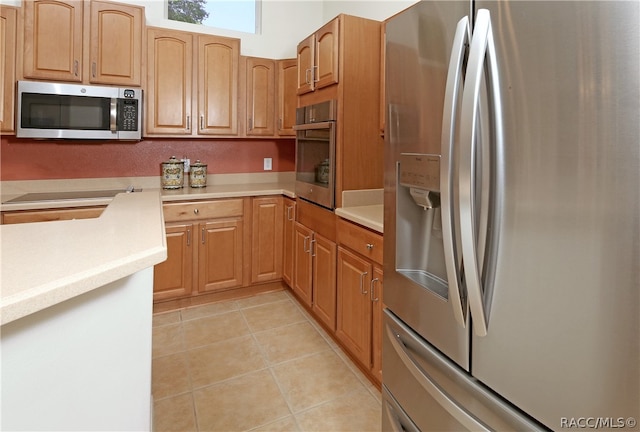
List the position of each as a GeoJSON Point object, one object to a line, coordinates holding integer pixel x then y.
{"type": "Point", "coordinates": [361, 240]}
{"type": "Point", "coordinates": [51, 215]}
{"type": "Point", "coordinates": [202, 210]}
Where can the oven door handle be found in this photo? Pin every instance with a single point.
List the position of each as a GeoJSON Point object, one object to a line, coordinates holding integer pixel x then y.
{"type": "Point", "coordinates": [321, 125]}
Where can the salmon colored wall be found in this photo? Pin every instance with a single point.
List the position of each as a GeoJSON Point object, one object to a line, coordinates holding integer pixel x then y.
{"type": "Point", "coordinates": [23, 159]}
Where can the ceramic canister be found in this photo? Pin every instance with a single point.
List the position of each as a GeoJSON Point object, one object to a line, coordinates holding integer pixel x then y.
{"type": "Point", "coordinates": [172, 173]}
{"type": "Point", "coordinates": [322, 172]}
{"type": "Point", "coordinates": [198, 175]}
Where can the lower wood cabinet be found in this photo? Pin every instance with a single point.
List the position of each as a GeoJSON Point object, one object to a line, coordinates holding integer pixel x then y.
{"type": "Point", "coordinates": [288, 240]}
{"type": "Point", "coordinates": [266, 239]}
{"type": "Point", "coordinates": [174, 277]}
{"type": "Point", "coordinates": [220, 255]}
{"type": "Point", "coordinates": [205, 249]}
{"type": "Point", "coordinates": [314, 263]}
{"type": "Point", "coordinates": [359, 295]}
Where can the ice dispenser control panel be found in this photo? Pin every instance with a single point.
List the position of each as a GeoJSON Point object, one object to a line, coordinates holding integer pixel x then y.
{"type": "Point", "coordinates": [421, 174]}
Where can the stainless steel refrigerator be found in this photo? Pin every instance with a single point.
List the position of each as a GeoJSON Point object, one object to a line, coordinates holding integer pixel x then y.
{"type": "Point", "coordinates": [512, 216]}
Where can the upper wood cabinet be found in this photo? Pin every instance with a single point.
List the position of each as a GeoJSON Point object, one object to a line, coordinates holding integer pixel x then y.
{"type": "Point", "coordinates": [217, 96]}
{"type": "Point", "coordinates": [318, 57]}
{"type": "Point", "coordinates": [260, 96]}
{"type": "Point", "coordinates": [287, 102]}
{"type": "Point", "coordinates": [8, 59]}
{"type": "Point", "coordinates": [94, 42]}
{"type": "Point", "coordinates": [169, 82]}
{"type": "Point", "coordinates": [53, 39]}
{"type": "Point", "coordinates": [115, 44]}
{"type": "Point", "coordinates": [177, 106]}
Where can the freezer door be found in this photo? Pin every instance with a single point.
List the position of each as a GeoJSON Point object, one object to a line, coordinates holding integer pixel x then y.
{"type": "Point", "coordinates": [419, 46]}
{"type": "Point", "coordinates": [425, 390]}
{"type": "Point", "coordinates": [563, 334]}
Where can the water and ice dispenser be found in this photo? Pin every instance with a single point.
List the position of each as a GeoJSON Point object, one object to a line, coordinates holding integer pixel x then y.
{"type": "Point", "coordinates": [419, 247]}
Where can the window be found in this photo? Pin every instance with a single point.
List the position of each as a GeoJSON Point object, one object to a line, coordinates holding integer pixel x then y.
{"type": "Point", "coordinates": [239, 15]}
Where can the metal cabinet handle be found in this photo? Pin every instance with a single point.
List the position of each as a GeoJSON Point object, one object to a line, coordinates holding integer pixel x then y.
{"type": "Point", "coordinates": [188, 122]}
{"type": "Point", "coordinates": [196, 211]}
{"type": "Point", "coordinates": [314, 74]}
{"type": "Point", "coordinates": [93, 69]}
{"type": "Point", "coordinates": [203, 235]}
{"type": "Point", "coordinates": [362, 275]}
{"type": "Point", "coordinates": [372, 287]}
{"type": "Point", "coordinates": [304, 245]}
{"type": "Point", "coordinates": [75, 67]}
{"type": "Point", "coordinates": [312, 248]}
{"type": "Point", "coordinates": [289, 208]}
{"type": "Point", "coordinates": [251, 124]}
{"type": "Point", "coordinates": [188, 237]}
{"type": "Point", "coordinates": [306, 76]}
{"type": "Point", "coordinates": [370, 246]}
{"type": "Point", "coordinates": [202, 122]}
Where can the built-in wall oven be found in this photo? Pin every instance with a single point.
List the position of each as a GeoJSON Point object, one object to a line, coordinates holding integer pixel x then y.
{"type": "Point", "coordinates": [315, 153]}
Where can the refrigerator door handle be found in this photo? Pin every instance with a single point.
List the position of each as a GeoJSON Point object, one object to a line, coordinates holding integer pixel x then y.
{"type": "Point", "coordinates": [482, 47]}
{"type": "Point", "coordinates": [452, 94]}
{"type": "Point", "coordinates": [459, 413]}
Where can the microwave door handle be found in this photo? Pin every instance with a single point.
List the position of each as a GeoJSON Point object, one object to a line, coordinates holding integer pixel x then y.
{"type": "Point", "coordinates": [113, 115]}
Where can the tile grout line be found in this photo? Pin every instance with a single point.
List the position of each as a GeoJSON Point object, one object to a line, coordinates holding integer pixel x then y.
{"type": "Point", "coordinates": [273, 375]}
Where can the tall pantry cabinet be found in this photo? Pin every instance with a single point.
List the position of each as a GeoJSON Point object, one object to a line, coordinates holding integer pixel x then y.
{"type": "Point", "coordinates": [341, 62]}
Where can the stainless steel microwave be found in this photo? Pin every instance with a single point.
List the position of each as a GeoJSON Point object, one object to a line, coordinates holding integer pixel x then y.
{"type": "Point", "coordinates": [71, 111]}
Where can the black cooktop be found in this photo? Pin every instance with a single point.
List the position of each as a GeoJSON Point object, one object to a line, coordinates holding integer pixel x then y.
{"type": "Point", "coordinates": [70, 195]}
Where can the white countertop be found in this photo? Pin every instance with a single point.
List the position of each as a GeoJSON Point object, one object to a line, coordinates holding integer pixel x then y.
{"type": "Point", "coordinates": [370, 216]}
{"type": "Point", "coordinates": [46, 263]}
{"type": "Point", "coordinates": [183, 194]}
{"type": "Point", "coordinates": [364, 207]}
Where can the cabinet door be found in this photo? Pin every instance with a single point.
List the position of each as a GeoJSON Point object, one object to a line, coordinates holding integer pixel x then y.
{"type": "Point", "coordinates": [220, 255]}
{"type": "Point", "coordinates": [260, 96]}
{"type": "Point", "coordinates": [53, 39]}
{"type": "Point", "coordinates": [174, 277]}
{"type": "Point", "coordinates": [288, 246]}
{"type": "Point", "coordinates": [8, 40]}
{"type": "Point", "coordinates": [169, 82]}
{"type": "Point", "coordinates": [324, 280]}
{"type": "Point", "coordinates": [302, 275]}
{"type": "Point", "coordinates": [326, 55]}
{"type": "Point", "coordinates": [376, 293]}
{"type": "Point", "coordinates": [353, 326]}
{"type": "Point", "coordinates": [287, 99]}
{"type": "Point", "coordinates": [266, 242]}
{"type": "Point", "coordinates": [306, 50]}
{"type": "Point", "coordinates": [115, 51]}
{"type": "Point", "coordinates": [218, 60]}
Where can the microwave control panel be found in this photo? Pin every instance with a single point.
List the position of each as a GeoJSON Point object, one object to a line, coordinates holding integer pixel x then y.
{"type": "Point", "coordinates": [128, 114]}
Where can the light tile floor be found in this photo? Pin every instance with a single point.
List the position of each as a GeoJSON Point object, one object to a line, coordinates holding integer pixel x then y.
{"type": "Point", "coordinates": [255, 364]}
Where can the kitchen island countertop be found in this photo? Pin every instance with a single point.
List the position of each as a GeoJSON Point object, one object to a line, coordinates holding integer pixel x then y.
{"type": "Point", "coordinates": [46, 263]}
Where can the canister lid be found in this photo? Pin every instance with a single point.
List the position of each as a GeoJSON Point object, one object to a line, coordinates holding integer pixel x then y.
{"type": "Point", "coordinates": [173, 160]}
{"type": "Point", "coordinates": [197, 163]}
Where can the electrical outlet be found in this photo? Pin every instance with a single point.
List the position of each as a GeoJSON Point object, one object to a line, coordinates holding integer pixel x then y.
{"type": "Point", "coordinates": [267, 164]}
